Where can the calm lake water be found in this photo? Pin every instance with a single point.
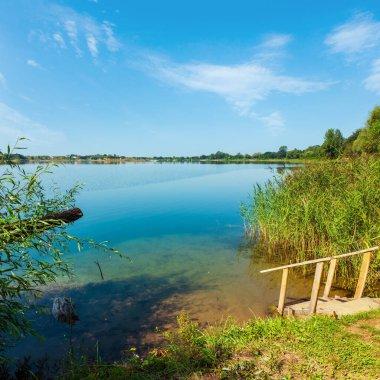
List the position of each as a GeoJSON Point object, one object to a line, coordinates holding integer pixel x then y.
{"type": "Point", "coordinates": [180, 226]}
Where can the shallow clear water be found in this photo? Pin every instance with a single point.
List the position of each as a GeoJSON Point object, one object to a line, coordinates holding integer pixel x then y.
{"type": "Point", "coordinates": [180, 226]}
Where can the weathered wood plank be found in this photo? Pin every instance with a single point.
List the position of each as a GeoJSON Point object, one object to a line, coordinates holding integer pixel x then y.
{"type": "Point", "coordinates": [337, 306]}
{"type": "Point", "coordinates": [363, 275]}
{"type": "Point", "coordinates": [323, 259]}
{"type": "Point", "coordinates": [281, 300]}
{"type": "Point", "coordinates": [316, 287]}
{"type": "Point", "coordinates": [330, 278]}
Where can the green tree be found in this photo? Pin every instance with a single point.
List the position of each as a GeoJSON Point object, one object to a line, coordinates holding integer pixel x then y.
{"type": "Point", "coordinates": [282, 151]}
{"type": "Point", "coordinates": [368, 140]}
{"type": "Point", "coordinates": [219, 155]}
{"type": "Point", "coordinates": [295, 153]}
{"type": "Point", "coordinates": [256, 155]}
{"type": "Point", "coordinates": [31, 245]}
{"type": "Point", "coordinates": [332, 146]}
{"type": "Point", "coordinates": [313, 151]}
{"type": "Point", "coordinates": [350, 141]}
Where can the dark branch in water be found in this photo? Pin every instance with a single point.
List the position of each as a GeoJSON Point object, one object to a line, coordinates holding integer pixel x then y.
{"type": "Point", "coordinates": [67, 216]}
{"type": "Point", "coordinates": [24, 229]}
{"type": "Point", "coordinates": [100, 269]}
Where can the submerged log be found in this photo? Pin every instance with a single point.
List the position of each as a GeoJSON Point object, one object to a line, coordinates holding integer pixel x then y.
{"type": "Point", "coordinates": [66, 216]}
{"type": "Point", "coordinates": [63, 310]}
{"type": "Point", "coordinates": [17, 231]}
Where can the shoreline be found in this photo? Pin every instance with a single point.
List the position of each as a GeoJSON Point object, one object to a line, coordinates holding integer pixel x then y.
{"type": "Point", "coordinates": [172, 161]}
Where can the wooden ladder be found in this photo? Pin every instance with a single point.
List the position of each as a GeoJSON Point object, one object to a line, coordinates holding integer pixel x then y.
{"type": "Point", "coordinates": [318, 276]}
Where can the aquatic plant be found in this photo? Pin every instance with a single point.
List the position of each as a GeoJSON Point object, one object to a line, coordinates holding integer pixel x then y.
{"type": "Point", "coordinates": [320, 210]}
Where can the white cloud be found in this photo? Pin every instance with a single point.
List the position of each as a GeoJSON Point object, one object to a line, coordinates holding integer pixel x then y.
{"type": "Point", "coordinates": [2, 81]}
{"type": "Point", "coordinates": [13, 125]}
{"type": "Point", "coordinates": [242, 85]}
{"type": "Point", "coordinates": [274, 121]}
{"type": "Point", "coordinates": [72, 34]}
{"type": "Point", "coordinates": [112, 43]}
{"type": "Point", "coordinates": [83, 32]}
{"type": "Point", "coordinates": [32, 62]}
{"type": "Point", "coordinates": [92, 45]}
{"type": "Point", "coordinates": [359, 41]}
{"type": "Point", "coordinates": [358, 35]}
{"type": "Point", "coordinates": [275, 41]}
{"type": "Point", "coordinates": [372, 82]}
{"type": "Point", "coordinates": [272, 47]}
{"type": "Point", "coordinates": [26, 98]}
{"type": "Point", "coordinates": [57, 37]}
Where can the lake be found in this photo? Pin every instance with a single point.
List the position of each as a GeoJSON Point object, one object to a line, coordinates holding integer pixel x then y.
{"type": "Point", "coordinates": [180, 226]}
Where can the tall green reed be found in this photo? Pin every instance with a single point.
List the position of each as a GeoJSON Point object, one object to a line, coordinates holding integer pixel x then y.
{"type": "Point", "coordinates": [319, 210]}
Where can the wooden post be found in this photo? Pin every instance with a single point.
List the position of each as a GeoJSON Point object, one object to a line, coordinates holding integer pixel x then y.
{"type": "Point", "coordinates": [362, 275]}
{"type": "Point", "coordinates": [330, 277]}
{"type": "Point", "coordinates": [284, 281]}
{"type": "Point", "coordinates": [316, 286]}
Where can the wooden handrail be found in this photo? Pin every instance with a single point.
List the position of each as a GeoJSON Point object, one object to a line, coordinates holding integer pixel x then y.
{"type": "Point", "coordinates": [318, 276]}
{"type": "Point", "coordinates": [315, 261]}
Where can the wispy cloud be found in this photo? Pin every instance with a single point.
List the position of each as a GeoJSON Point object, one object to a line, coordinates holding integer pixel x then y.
{"type": "Point", "coordinates": [358, 40]}
{"type": "Point", "coordinates": [272, 47]}
{"type": "Point", "coordinates": [111, 41]}
{"type": "Point", "coordinates": [33, 63]}
{"type": "Point", "coordinates": [92, 45]}
{"type": "Point", "coordinates": [72, 34]}
{"type": "Point", "coordinates": [57, 37]}
{"type": "Point", "coordinates": [3, 83]}
{"type": "Point", "coordinates": [242, 85]}
{"type": "Point", "coordinates": [26, 98]}
{"type": "Point", "coordinates": [358, 35]}
{"type": "Point", "coordinates": [275, 41]}
{"type": "Point", "coordinates": [372, 82]}
{"type": "Point", "coordinates": [14, 124]}
{"type": "Point", "coordinates": [275, 121]}
{"type": "Point", "coordinates": [80, 32]}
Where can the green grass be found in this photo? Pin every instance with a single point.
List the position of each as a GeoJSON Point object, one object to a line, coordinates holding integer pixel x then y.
{"type": "Point", "coordinates": [319, 210]}
{"type": "Point", "coordinates": [319, 347]}
{"type": "Point", "coordinates": [276, 348]}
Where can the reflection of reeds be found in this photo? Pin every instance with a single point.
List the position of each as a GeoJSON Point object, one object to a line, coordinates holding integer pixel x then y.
{"type": "Point", "coordinates": [319, 210]}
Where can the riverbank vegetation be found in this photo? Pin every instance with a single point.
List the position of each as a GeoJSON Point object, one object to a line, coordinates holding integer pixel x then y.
{"type": "Point", "coordinates": [274, 348]}
{"type": "Point", "coordinates": [326, 208]}
{"type": "Point", "coordinates": [319, 210]}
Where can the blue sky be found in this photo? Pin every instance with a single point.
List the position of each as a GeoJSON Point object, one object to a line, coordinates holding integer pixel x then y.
{"type": "Point", "coordinates": [144, 78]}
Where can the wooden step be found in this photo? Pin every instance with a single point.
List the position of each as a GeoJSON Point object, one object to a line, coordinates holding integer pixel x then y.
{"type": "Point", "coordinates": [336, 307]}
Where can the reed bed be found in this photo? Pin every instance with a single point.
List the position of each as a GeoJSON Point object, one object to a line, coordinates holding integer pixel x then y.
{"type": "Point", "coordinates": [320, 210]}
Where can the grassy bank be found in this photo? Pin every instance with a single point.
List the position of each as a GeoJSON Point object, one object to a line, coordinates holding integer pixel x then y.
{"type": "Point", "coordinates": [320, 210]}
{"type": "Point", "coordinates": [320, 347]}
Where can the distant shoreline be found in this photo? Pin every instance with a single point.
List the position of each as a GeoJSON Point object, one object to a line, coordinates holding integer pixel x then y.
{"type": "Point", "coordinates": [179, 160]}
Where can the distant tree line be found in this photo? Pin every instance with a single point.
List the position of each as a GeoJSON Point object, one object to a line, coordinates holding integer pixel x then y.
{"type": "Point", "coordinates": [364, 140]}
